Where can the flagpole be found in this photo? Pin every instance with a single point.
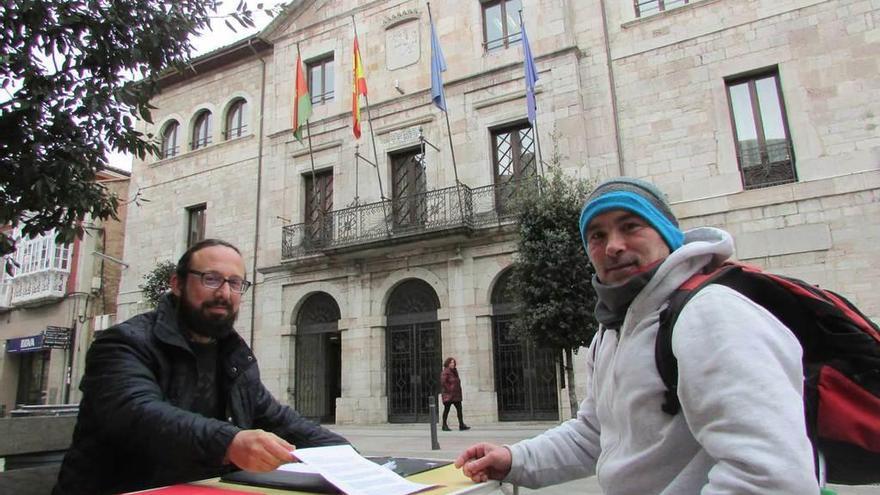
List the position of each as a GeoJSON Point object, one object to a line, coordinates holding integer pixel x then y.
{"type": "Point", "coordinates": [449, 132]}
{"type": "Point", "coordinates": [372, 138]}
{"type": "Point", "coordinates": [538, 144]}
{"type": "Point", "coordinates": [535, 123]}
{"type": "Point", "coordinates": [370, 121]}
{"type": "Point", "coordinates": [357, 174]}
{"type": "Point", "coordinates": [451, 148]}
{"type": "Point", "coordinates": [315, 198]}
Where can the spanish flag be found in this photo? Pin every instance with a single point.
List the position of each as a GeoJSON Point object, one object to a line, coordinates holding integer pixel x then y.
{"type": "Point", "coordinates": [359, 87]}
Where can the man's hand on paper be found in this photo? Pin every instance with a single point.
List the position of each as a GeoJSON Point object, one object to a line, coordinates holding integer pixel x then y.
{"type": "Point", "coordinates": [259, 451]}
{"type": "Point", "coordinates": [485, 461]}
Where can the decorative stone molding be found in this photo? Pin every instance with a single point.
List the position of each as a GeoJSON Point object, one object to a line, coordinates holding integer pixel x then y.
{"type": "Point", "coordinates": [401, 17]}
{"type": "Point", "coordinates": [403, 40]}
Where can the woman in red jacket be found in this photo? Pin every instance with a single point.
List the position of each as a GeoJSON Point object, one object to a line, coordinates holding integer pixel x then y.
{"type": "Point", "coordinates": [451, 393]}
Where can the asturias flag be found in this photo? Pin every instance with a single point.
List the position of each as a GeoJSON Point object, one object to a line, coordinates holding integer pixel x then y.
{"type": "Point", "coordinates": [302, 102]}
{"type": "Point", "coordinates": [359, 88]}
{"type": "Point", "coordinates": [438, 65]}
{"type": "Point", "coordinates": [531, 76]}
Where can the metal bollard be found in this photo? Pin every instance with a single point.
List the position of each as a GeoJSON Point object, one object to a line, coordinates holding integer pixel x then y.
{"type": "Point", "coordinates": [432, 407]}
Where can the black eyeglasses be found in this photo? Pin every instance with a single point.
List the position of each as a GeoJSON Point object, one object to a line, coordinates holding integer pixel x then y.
{"type": "Point", "coordinates": [214, 280]}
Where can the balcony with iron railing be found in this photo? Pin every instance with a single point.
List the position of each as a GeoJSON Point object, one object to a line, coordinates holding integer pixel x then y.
{"type": "Point", "coordinates": [39, 286]}
{"type": "Point", "coordinates": [453, 210]}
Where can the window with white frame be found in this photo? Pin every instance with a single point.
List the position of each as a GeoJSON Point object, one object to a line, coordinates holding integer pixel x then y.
{"type": "Point", "coordinates": [40, 254]}
{"type": "Point", "coordinates": [4, 261]}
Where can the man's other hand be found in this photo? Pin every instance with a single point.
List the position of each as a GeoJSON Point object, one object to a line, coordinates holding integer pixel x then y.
{"type": "Point", "coordinates": [485, 461]}
{"type": "Point", "coordinates": [259, 451]}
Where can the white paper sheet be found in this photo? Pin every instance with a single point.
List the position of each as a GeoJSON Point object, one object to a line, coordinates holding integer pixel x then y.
{"type": "Point", "coordinates": [297, 467]}
{"type": "Point", "coordinates": [355, 475]}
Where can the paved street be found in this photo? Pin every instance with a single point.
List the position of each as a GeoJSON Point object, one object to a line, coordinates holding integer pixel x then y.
{"type": "Point", "coordinates": [414, 440]}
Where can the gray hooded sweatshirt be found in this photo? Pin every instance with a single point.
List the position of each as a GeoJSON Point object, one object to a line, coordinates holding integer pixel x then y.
{"type": "Point", "coordinates": [741, 429]}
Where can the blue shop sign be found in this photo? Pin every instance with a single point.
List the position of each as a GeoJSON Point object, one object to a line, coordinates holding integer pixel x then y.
{"type": "Point", "coordinates": [25, 344]}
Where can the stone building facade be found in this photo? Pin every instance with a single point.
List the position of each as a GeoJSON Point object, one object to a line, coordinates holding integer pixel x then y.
{"type": "Point", "coordinates": [376, 258]}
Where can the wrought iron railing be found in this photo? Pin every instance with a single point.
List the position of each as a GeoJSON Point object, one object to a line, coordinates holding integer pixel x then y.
{"type": "Point", "coordinates": [493, 203]}
{"type": "Point", "coordinates": [440, 209]}
{"type": "Point", "coordinates": [432, 211]}
{"type": "Point", "coordinates": [768, 165]}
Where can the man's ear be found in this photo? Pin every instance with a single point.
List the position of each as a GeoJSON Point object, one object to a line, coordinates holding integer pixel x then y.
{"type": "Point", "coordinates": [176, 284]}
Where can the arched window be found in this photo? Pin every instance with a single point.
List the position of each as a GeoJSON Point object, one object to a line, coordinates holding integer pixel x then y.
{"type": "Point", "coordinates": [170, 147]}
{"type": "Point", "coordinates": [202, 130]}
{"type": "Point", "coordinates": [236, 119]}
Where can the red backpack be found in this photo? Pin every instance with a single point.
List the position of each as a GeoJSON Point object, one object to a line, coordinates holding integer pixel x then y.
{"type": "Point", "coordinates": [841, 365]}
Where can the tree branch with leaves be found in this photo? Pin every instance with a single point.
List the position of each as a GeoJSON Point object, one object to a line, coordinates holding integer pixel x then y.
{"type": "Point", "coordinates": [77, 75]}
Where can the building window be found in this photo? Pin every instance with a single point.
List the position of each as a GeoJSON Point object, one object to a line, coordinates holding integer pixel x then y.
{"type": "Point", "coordinates": [409, 188]}
{"type": "Point", "coordinates": [41, 253]}
{"type": "Point", "coordinates": [321, 79]}
{"type": "Point", "coordinates": [236, 119]}
{"type": "Point", "coordinates": [514, 156]}
{"type": "Point", "coordinates": [513, 161]}
{"type": "Point", "coordinates": [202, 130]}
{"type": "Point", "coordinates": [501, 26]}
{"type": "Point", "coordinates": [763, 144]}
{"type": "Point", "coordinates": [170, 148]}
{"type": "Point", "coordinates": [645, 8]}
{"type": "Point", "coordinates": [319, 207]}
{"type": "Point", "coordinates": [195, 230]}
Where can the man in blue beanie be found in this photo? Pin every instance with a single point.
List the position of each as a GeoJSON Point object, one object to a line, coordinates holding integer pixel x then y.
{"type": "Point", "coordinates": [741, 428]}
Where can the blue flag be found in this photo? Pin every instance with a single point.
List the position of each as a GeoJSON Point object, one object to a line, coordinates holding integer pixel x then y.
{"type": "Point", "coordinates": [438, 65]}
{"type": "Point", "coordinates": [531, 76]}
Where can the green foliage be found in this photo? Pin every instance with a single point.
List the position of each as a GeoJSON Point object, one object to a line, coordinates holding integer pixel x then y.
{"type": "Point", "coordinates": [551, 273]}
{"type": "Point", "coordinates": [66, 67]}
{"type": "Point", "coordinates": [157, 282]}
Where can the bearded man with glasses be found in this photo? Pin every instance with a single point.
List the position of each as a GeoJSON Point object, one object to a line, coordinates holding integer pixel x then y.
{"type": "Point", "coordinates": [174, 395]}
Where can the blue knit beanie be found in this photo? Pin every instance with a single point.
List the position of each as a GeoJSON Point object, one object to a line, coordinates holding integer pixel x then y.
{"type": "Point", "coordinates": [636, 196]}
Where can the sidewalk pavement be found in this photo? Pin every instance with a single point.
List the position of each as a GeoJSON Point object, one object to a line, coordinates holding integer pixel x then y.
{"type": "Point", "coordinates": [414, 440]}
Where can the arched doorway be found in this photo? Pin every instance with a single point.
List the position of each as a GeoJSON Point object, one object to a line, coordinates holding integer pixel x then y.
{"type": "Point", "coordinates": [525, 375]}
{"type": "Point", "coordinates": [318, 367]}
{"type": "Point", "coordinates": [413, 351]}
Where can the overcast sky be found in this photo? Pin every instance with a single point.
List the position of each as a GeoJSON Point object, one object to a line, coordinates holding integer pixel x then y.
{"type": "Point", "coordinates": [220, 36]}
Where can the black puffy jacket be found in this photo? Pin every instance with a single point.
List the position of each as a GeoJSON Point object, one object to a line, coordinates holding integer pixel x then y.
{"type": "Point", "coordinates": [135, 430]}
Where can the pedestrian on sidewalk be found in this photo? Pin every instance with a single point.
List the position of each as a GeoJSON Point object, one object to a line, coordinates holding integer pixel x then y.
{"type": "Point", "coordinates": [451, 395]}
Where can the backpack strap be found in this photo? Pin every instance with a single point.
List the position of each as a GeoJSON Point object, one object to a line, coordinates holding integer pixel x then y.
{"type": "Point", "coordinates": [783, 297]}
{"type": "Point", "coordinates": [667, 364]}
